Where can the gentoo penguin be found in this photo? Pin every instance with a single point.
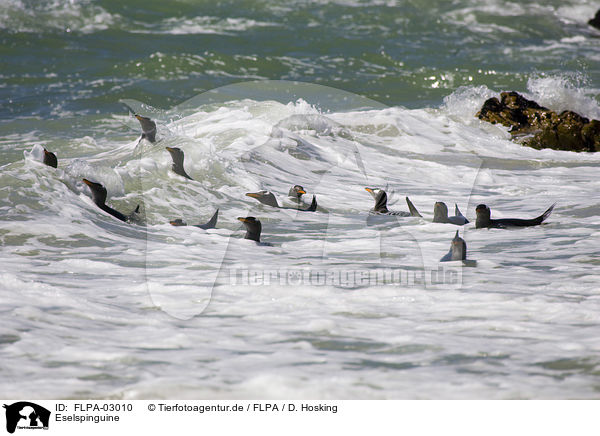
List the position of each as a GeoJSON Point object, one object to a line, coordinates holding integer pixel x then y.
{"type": "Point", "coordinates": [296, 193]}
{"type": "Point", "coordinates": [440, 215]}
{"type": "Point", "coordinates": [484, 219]}
{"type": "Point", "coordinates": [50, 159]}
{"type": "Point", "coordinates": [211, 224]}
{"type": "Point", "coordinates": [253, 229]}
{"type": "Point", "coordinates": [264, 197]}
{"type": "Point", "coordinates": [178, 156]}
{"type": "Point", "coordinates": [267, 198]}
{"type": "Point", "coordinates": [148, 128]}
{"type": "Point", "coordinates": [99, 197]}
{"type": "Point", "coordinates": [380, 207]}
{"type": "Point", "coordinates": [458, 251]}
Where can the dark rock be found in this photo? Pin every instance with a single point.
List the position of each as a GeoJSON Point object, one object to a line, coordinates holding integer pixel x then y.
{"type": "Point", "coordinates": [514, 111]}
{"type": "Point", "coordinates": [595, 22]}
{"type": "Point", "coordinates": [539, 127]}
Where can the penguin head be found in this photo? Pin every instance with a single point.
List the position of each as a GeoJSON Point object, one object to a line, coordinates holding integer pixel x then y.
{"type": "Point", "coordinates": [98, 191]}
{"type": "Point", "coordinates": [177, 222]}
{"type": "Point", "coordinates": [456, 238]}
{"type": "Point", "coordinates": [265, 197]}
{"type": "Point", "coordinates": [380, 197]}
{"type": "Point", "coordinates": [375, 192]}
{"type": "Point", "coordinates": [148, 128]}
{"type": "Point", "coordinates": [253, 227]}
{"type": "Point", "coordinates": [250, 222]}
{"type": "Point", "coordinates": [483, 212]}
{"type": "Point", "coordinates": [440, 210]}
{"type": "Point", "coordinates": [459, 248]}
{"type": "Point", "coordinates": [176, 154]}
{"type": "Point", "coordinates": [296, 191]}
{"type": "Point", "coordinates": [50, 159]}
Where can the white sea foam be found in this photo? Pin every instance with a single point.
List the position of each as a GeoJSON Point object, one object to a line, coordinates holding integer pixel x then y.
{"type": "Point", "coordinates": [200, 25]}
{"type": "Point", "coordinates": [56, 15]}
{"type": "Point", "coordinates": [564, 93]}
{"type": "Point", "coordinates": [307, 307]}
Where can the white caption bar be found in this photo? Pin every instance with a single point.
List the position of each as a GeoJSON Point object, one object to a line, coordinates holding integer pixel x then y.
{"type": "Point", "coordinates": [277, 417]}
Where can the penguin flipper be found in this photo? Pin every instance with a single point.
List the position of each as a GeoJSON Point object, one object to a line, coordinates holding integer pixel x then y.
{"type": "Point", "coordinates": [212, 223]}
{"type": "Point", "coordinates": [459, 214]}
{"type": "Point", "coordinates": [313, 205]}
{"type": "Point", "coordinates": [447, 257]}
{"type": "Point", "coordinates": [412, 208]}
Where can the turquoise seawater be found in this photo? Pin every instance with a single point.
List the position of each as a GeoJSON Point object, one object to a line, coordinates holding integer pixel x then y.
{"type": "Point", "coordinates": [65, 58]}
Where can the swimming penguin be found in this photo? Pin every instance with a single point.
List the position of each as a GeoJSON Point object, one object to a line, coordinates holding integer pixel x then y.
{"type": "Point", "coordinates": [178, 156]}
{"type": "Point", "coordinates": [50, 159]}
{"type": "Point", "coordinates": [211, 224]}
{"type": "Point", "coordinates": [296, 193]}
{"type": "Point", "coordinates": [267, 197]}
{"type": "Point", "coordinates": [253, 229]}
{"type": "Point", "coordinates": [440, 215]}
{"type": "Point", "coordinates": [380, 208]}
{"type": "Point", "coordinates": [484, 220]}
{"type": "Point", "coordinates": [148, 128]}
{"type": "Point", "coordinates": [458, 251]}
{"type": "Point", "coordinates": [99, 197]}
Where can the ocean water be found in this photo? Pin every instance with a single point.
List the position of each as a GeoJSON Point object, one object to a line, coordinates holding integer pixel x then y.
{"type": "Point", "coordinates": [335, 96]}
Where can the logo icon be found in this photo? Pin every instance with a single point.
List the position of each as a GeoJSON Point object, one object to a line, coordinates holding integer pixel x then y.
{"type": "Point", "coordinates": [26, 415]}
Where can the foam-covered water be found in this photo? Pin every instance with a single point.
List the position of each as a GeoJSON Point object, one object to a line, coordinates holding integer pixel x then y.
{"type": "Point", "coordinates": [93, 307]}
